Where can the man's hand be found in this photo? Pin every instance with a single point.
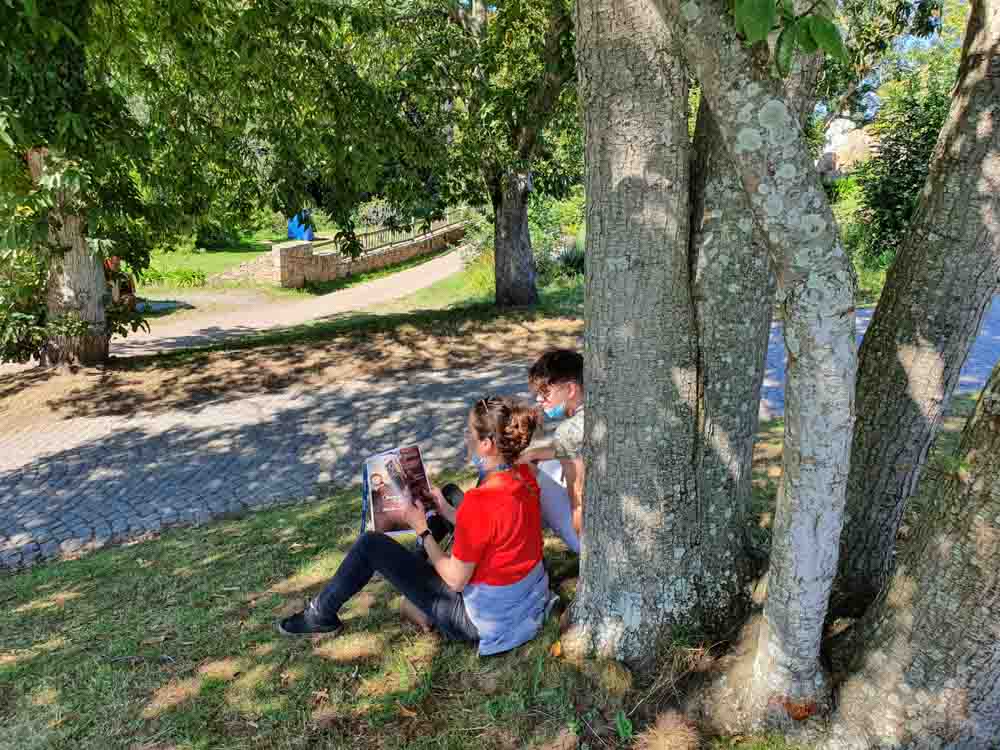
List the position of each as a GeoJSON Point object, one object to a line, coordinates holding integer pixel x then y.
{"type": "Point", "coordinates": [413, 514]}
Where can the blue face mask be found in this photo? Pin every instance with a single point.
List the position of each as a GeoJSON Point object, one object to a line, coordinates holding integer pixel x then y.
{"type": "Point", "coordinates": [556, 412]}
{"type": "Point", "coordinates": [480, 463]}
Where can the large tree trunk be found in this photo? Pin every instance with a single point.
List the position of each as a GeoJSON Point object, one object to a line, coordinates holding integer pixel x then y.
{"type": "Point", "coordinates": [76, 286]}
{"type": "Point", "coordinates": [815, 288]}
{"type": "Point", "coordinates": [930, 671]}
{"type": "Point", "coordinates": [733, 291]}
{"type": "Point", "coordinates": [515, 262]}
{"type": "Point", "coordinates": [640, 564]}
{"type": "Point", "coordinates": [933, 303]}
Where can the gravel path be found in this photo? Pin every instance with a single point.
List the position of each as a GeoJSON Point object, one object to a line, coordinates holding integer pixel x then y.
{"type": "Point", "coordinates": [254, 313]}
{"type": "Point", "coordinates": [983, 357]}
{"type": "Point", "coordinates": [84, 482]}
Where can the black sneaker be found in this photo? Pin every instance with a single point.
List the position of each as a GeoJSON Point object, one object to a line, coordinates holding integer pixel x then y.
{"type": "Point", "coordinates": [307, 622]}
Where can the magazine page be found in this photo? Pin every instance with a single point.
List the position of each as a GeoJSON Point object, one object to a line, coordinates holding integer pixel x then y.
{"type": "Point", "coordinates": [395, 479]}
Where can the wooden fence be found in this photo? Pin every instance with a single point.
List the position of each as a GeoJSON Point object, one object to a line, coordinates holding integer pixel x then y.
{"type": "Point", "coordinates": [386, 236]}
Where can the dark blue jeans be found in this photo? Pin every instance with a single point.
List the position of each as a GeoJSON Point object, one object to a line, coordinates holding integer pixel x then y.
{"type": "Point", "coordinates": [410, 574]}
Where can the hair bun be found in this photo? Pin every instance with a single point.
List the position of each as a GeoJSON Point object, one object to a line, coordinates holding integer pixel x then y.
{"type": "Point", "coordinates": [512, 424]}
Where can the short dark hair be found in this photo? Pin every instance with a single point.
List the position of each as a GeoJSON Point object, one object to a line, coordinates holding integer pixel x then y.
{"type": "Point", "coordinates": [557, 366]}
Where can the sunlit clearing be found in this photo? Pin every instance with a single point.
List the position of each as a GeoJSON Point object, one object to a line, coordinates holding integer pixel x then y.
{"type": "Point", "coordinates": [351, 648]}
{"type": "Point", "coordinates": [241, 693]}
{"type": "Point", "coordinates": [221, 669]}
{"type": "Point", "coordinates": [53, 601]}
{"type": "Point", "coordinates": [402, 666]}
{"type": "Point", "coordinates": [10, 658]}
{"type": "Point", "coordinates": [292, 675]}
{"type": "Point", "coordinates": [171, 695]}
{"type": "Point", "coordinates": [317, 573]}
{"type": "Point", "coordinates": [264, 649]}
{"type": "Point", "coordinates": [212, 559]}
{"type": "Point", "coordinates": [52, 644]}
{"type": "Point", "coordinates": [45, 697]}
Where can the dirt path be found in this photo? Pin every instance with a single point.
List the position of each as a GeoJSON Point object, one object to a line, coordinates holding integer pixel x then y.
{"type": "Point", "coordinates": [249, 312]}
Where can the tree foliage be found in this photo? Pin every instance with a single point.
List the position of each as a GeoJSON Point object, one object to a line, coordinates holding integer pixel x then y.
{"type": "Point", "coordinates": [915, 104]}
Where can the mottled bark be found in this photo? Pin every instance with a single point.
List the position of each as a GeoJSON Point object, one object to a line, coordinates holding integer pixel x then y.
{"type": "Point", "coordinates": [76, 287]}
{"type": "Point", "coordinates": [929, 673]}
{"type": "Point", "coordinates": [815, 290]}
{"type": "Point", "coordinates": [640, 561]}
{"type": "Point", "coordinates": [934, 300]}
{"type": "Point", "coordinates": [733, 291]}
{"type": "Point", "coordinates": [515, 262]}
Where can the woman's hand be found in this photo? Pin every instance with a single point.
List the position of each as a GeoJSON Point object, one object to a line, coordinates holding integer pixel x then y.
{"type": "Point", "coordinates": [442, 505]}
{"type": "Point", "coordinates": [439, 499]}
{"type": "Point", "coordinates": [413, 514]}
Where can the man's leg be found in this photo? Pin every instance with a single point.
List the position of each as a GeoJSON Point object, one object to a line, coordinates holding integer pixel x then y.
{"type": "Point", "coordinates": [557, 511]}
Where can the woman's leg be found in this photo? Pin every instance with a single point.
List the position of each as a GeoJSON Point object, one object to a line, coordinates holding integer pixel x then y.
{"type": "Point", "coordinates": [410, 575]}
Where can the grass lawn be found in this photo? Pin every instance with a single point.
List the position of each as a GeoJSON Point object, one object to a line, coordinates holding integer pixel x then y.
{"type": "Point", "coordinates": [211, 261]}
{"type": "Point", "coordinates": [169, 643]}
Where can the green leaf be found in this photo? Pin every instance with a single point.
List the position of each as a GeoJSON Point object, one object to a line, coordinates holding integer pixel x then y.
{"type": "Point", "coordinates": [755, 18]}
{"type": "Point", "coordinates": [785, 50]}
{"type": "Point", "coordinates": [827, 36]}
{"type": "Point", "coordinates": [804, 37]}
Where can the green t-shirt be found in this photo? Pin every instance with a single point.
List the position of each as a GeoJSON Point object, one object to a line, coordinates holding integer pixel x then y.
{"type": "Point", "coordinates": [568, 441]}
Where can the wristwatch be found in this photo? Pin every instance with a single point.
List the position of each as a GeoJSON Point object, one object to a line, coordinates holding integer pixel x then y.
{"type": "Point", "coordinates": [424, 534]}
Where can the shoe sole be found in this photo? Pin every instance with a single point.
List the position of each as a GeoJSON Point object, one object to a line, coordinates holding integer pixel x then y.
{"type": "Point", "coordinates": [290, 634]}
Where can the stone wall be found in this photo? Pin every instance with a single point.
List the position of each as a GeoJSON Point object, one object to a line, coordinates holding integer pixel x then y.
{"type": "Point", "coordinates": [297, 263]}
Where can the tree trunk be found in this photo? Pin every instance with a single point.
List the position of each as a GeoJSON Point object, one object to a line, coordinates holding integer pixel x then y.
{"type": "Point", "coordinates": [733, 291]}
{"type": "Point", "coordinates": [930, 670]}
{"type": "Point", "coordinates": [641, 559]}
{"type": "Point", "coordinates": [934, 300]}
{"type": "Point", "coordinates": [815, 289]}
{"type": "Point", "coordinates": [515, 262]}
{"type": "Point", "coordinates": [76, 286]}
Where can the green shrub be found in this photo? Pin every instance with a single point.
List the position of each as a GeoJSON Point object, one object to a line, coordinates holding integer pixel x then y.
{"type": "Point", "coordinates": [23, 329]}
{"type": "Point", "coordinates": [556, 229]}
{"type": "Point", "coordinates": [551, 222]}
{"type": "Point", "coordinates": [907, 128]}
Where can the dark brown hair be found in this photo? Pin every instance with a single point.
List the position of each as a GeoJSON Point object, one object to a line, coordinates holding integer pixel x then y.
{"type": "Point", "coordinates": [508, 422]}
{"type": "Point", "coordinates": [556, 366]}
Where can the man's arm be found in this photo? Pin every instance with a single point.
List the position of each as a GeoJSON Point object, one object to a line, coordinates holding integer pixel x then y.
{"type": "Point", "coordinates": [537, 454]}
{"type": "Point", "coordinates": [573, 472]}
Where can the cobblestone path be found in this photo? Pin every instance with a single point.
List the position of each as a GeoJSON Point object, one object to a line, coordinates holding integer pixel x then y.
{"type": "Point", "coordinates": [84, 482]}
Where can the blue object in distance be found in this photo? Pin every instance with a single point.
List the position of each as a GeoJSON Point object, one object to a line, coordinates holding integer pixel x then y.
{"type": "Point", "coordinates": [299, 227]}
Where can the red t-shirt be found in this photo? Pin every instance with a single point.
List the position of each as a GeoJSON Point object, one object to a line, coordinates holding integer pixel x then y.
{"type": "Point", "coordinates": [499, 527]}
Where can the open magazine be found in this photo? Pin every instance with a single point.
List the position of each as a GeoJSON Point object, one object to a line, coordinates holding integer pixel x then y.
{"type": "Point", "coordinates": [390, 481]}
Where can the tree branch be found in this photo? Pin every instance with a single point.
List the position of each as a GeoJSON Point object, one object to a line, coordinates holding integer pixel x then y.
{"type": "Point", "coordinates": [556, 75]}
{"type": "Point", "coordinates": [472, 20]}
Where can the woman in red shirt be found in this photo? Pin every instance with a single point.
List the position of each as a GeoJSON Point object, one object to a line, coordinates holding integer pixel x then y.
{"type": "Point", "coordinates": [492, 589]}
